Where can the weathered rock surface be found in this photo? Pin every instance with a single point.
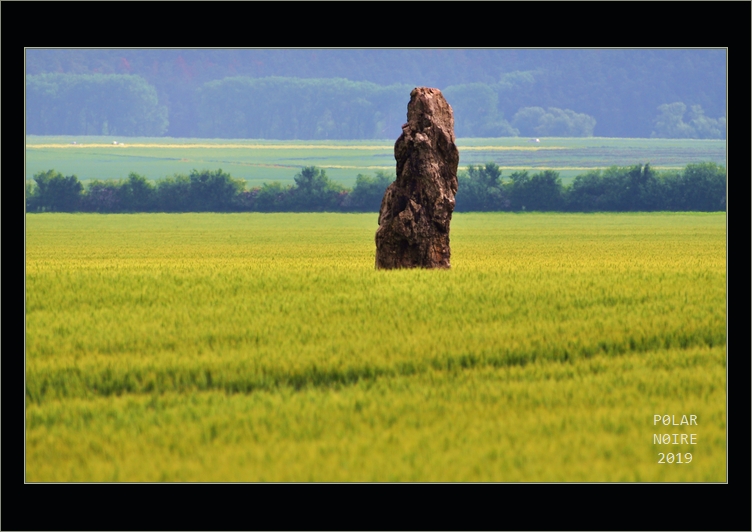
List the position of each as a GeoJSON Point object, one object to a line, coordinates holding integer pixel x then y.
{"type": "Point", "coordinates": [417, 208]}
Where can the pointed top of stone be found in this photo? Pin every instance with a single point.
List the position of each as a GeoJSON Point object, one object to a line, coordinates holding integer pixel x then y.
{"type": "Point", "coordinates": [428, 107]}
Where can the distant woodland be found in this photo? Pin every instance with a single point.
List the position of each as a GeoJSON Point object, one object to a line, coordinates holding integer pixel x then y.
{"type": "Point", "coordinates": [362, 94]}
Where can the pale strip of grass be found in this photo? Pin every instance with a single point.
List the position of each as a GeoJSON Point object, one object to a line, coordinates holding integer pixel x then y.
{"type": "Point", "coordinates": [216, 146]}
{"type": "Point", "coordinates": [510, 148]}
{"type": "Point", "coordinates": [280, 147]}
{"type": "Point", "coordinates": [533, 169]}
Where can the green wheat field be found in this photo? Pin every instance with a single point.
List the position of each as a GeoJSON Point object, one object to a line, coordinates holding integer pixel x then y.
{"type": "Point", "coordinates": [266, 347]}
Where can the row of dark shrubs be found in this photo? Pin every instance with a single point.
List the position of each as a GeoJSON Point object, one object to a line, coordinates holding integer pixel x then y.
{"type": "Point", "coordinates": [699, 187]}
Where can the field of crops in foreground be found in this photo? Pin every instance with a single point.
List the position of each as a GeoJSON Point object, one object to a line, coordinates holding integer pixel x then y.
{"type": "Point", "coordinates": [265, 347]}
{"type": "Point", "coordinates": [259, 161]}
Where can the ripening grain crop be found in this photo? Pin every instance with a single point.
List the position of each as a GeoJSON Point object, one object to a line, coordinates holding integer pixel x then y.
{"type": "Point", "coordinates": [251, 347]}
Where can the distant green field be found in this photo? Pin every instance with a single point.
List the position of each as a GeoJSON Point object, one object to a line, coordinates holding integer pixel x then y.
{"type": "Point", "coordinates": [259, 161]}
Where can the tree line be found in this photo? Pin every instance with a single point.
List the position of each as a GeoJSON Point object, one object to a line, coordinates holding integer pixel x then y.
{"type": "Point", "coordinates": [698, 187]}
{"type": "Point", "coordinates": [277, 108]}
{"type": "Point", "coordinates": [93, 104]}
{"type": "Point", "coordinates": [289, 108]}
{"type": "Point", "coordinates": [619, 88]}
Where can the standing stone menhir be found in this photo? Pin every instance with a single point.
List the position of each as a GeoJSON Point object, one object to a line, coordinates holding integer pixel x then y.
{"type": "Point", "coordinates": [417, 208]}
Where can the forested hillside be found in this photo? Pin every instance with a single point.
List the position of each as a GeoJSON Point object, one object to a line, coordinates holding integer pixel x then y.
{"type": "Point", "coordinates": [348, 94]}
